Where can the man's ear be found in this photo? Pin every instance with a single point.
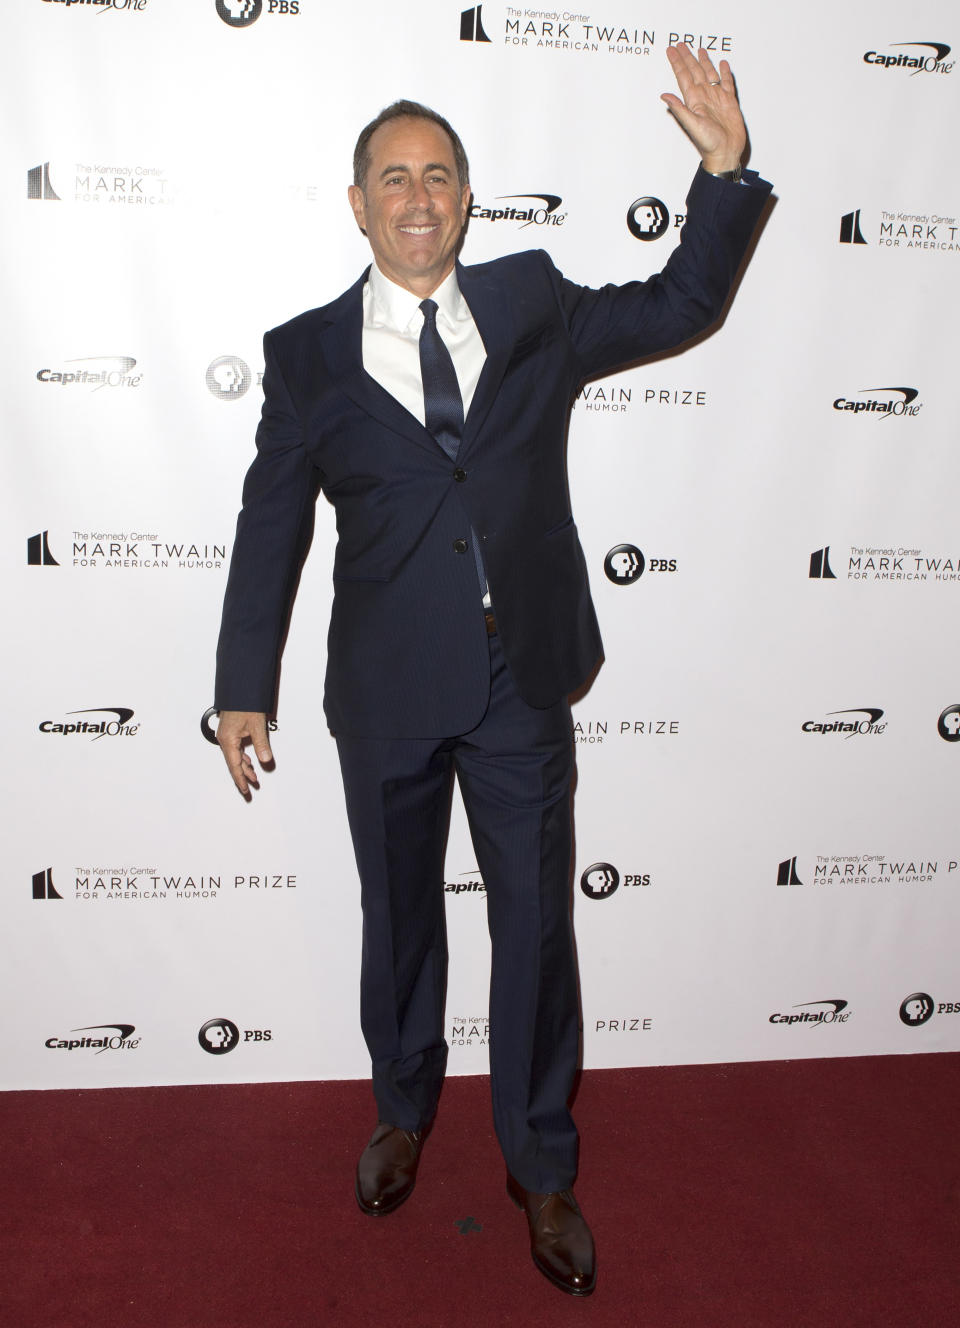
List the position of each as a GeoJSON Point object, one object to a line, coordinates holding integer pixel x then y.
{"type": "Point", "coordinates": [358, 206]}
{"type": "Point", "coordinates": [465, 197]}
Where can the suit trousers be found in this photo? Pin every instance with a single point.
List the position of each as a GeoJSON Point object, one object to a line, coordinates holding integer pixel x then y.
{"type": "Point", "coordinates": [515, 773]}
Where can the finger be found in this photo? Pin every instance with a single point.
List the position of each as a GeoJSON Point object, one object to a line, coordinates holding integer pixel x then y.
{"type": "Point", "coordinates": [706, 67]}
{"type": "Point", "coordinates": [261, 743]}
{"type": "Point", "coordinates": [241, 768]}
{"type": "Point", "coordinates": [685, 67]}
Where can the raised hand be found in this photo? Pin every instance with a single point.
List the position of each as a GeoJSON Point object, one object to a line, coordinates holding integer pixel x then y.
{"type": "Point", "coordinates": [709, 111]}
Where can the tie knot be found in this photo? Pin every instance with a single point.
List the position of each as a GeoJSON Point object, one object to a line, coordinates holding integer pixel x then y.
{"type": "Point", "coordinates": [429, 308]}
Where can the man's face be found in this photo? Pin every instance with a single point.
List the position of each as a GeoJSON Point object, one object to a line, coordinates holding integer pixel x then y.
{"type": "Point", "coordinates": [412, 207]}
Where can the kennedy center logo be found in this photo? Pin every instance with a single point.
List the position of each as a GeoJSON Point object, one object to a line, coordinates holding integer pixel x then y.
{"type": "Point", "coordinates": [39, 186]}
{"type": "Point", "coordinates": [820, 569]}
{"type": "Point", "coordinates": [850, 232]}
{"type": "Point", "coordinates": [471, 25]}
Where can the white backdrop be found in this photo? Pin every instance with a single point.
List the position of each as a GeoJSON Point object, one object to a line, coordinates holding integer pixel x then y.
{"type": "Point", "coordinates": [173, 184]}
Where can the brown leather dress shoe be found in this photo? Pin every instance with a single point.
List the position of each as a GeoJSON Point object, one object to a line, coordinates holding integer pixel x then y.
{"type": "Point", "coordinates": [560, 1240]}
{"type": "Point", "coordinates": [387, 1170]}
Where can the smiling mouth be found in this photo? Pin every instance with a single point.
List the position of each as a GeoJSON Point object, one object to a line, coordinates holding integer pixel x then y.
{"type": "Point", "coordinates": [418, 230]}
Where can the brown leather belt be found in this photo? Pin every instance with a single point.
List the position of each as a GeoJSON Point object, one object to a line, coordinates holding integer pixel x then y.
{"type": "Point", "coordinates": [491, 622]}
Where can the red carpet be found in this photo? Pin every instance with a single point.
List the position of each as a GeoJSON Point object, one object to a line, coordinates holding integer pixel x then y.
{"type": "Point", "coordinates": [821, 1193]}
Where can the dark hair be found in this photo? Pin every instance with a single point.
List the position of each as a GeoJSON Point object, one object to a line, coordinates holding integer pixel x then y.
{"type": "Point", "coordinates": [406, 110]}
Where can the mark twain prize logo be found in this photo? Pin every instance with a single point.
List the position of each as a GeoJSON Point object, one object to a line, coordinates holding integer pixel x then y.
{"type": "Point", "coordinates": [624, 1024]}
{"type": "Point", "coordinates": [924, 57]}
{"type": "Point", "coordinates": [610, 397]}
{"type": "Point", "coordinates": [567, 33]}
{"type": "Point", "coordinates": [895, 228]}
{"type": "Point", "coordinates": [114, 884]}
{"type": "Point", "coordinates": [886, 564]}
{"type": "Point", "coordinates": [880, 403]}
{"type": "Point", "coordinates": [129, 185]}
{"type": "Point", "coordinates": [850, 869]}
{"type": "Point", "coordinates": [593, 732]}
{"type": "Point", "coordinates": [473, 1032]}
{"type": "Point", "coordinates": [131, 550]}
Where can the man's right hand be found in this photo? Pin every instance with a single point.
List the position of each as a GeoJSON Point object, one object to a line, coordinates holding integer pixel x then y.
{"type": "Point", "coordinates": [236, 727]}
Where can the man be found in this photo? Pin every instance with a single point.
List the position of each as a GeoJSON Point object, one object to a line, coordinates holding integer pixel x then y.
{"type": "Point", "coordinates": [430, 401]}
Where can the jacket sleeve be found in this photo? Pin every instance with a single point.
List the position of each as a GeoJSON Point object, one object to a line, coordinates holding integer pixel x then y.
{"type": "Point", "coordinates": [616, 324]}
{"type": "Point", "coordinates": [273, 534]}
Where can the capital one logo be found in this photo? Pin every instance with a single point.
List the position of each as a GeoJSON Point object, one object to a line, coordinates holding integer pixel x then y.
{"type": "Point", "coordinates": [239, 13]}
{"type": "Point", "coordinates": [948, 725]}
{"type": "Point", "coordinates": [916, 1009]}
{"type": "Point", "coordinates": [647, 218]}
{"type": "Point", "coordinates": [218, 1036]}
{"type": "Point", "coordinates": [600, 880]}
{"type": "Point", "coordinates": [624, 564]}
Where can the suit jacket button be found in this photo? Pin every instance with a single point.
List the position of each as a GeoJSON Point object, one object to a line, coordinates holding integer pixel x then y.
{"type": "Point", "coordinates": [460, 546]}
{"type": "Point", "coordinates": [459, 474]}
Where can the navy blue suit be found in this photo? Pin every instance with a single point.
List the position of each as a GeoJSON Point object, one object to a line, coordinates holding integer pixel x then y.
{"type": "Point", "coordinates": [414, 686]}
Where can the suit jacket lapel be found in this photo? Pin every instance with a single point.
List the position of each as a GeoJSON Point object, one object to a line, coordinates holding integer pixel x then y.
{"type": "Point", "coordinates": [341, 338]}
{"type": "Point", "coordinates": [492, 315]}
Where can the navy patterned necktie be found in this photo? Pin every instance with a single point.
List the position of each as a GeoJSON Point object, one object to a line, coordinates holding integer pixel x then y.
{"type": "Point", "coordinates": [442, 402]}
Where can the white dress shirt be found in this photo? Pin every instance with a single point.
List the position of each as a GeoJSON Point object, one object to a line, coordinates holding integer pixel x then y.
{"type": "Point", "coordinates": [392, 323]}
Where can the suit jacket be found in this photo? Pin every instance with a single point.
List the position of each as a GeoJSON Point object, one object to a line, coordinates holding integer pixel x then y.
{"type": "Point", "coordinates": [407, 653]}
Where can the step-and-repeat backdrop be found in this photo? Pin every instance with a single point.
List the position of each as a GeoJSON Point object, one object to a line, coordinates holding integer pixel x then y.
{"type": "Point", "coordinates": [767, 858]}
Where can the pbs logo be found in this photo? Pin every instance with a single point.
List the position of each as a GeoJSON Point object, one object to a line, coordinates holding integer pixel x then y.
{"type": "Point", "coordinates": [648, 218]}
{"type": "Point", "coordinates": [601, 880]}
{"type": "Point", "coordinates": [916, 1009]}
{"type": "Point", "coordinates": [625, 564]}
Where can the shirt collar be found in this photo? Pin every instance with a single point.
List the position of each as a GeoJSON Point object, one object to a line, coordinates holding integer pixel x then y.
{"type": "Point", "coordinates": [399, 309]}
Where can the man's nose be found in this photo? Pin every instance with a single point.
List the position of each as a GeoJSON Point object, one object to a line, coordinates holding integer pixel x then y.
{"type": "Point", "coordinates": [419, 195]}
